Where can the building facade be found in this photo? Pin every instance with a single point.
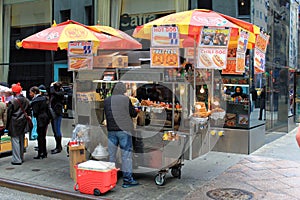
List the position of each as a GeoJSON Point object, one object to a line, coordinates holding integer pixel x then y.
{"type": "Point", "coordinates": [21, 18]}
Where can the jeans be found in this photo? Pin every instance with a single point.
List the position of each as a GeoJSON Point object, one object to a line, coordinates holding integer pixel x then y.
{"type": "Point", "coordinates": [123, 139]}
{"type": "Point", "coordinates": [56, 124]}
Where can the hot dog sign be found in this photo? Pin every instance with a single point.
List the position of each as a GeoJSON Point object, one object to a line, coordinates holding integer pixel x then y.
{"type": "Point", "coordinates": [212, 48]}
{"type": "Point", "coordinates": [80, 48]}
{"type": "Point", "coordinates": [165, 36]}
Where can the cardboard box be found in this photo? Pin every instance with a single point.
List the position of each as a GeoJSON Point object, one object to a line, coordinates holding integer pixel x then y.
{"type": "Point", "coordinates": [5, 145]}
{"type": "Point", "coordinates": [76, 155]}
{"type": "Point", "coordinates": [110, 61]}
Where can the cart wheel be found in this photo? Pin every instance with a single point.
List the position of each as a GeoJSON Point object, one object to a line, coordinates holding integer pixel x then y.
{"type": "Point", "coordinates": [97, 192]}
{"type": "Point", "coordinates": [176, 172]}
{"type": "Point", "coordinates": [160, 179]}
{"type": "Point", "coordinates": [76, 187]}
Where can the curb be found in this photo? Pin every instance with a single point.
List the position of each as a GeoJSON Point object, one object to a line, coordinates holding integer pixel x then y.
{"type": "Point", "coordinates": [45, 191]}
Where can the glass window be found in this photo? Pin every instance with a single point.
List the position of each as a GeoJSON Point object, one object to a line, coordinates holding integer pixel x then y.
{"type": "Point", "coordinates": [244, 7]}
{"type": "Point", "coordinates": [65, 15]}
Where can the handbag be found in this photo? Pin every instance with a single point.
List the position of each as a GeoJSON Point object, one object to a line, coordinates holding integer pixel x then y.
{"type": "Point", "coordinates": [28, 118]}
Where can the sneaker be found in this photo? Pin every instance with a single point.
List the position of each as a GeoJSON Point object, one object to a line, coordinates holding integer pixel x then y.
{"type": "Point", "coordinates": [130, 184]}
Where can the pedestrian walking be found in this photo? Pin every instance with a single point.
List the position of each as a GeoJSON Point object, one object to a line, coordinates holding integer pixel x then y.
{"type": "Point", "coordinates": [17, 123]}
{"type": "Point", "coordinates": [56, 102]}
{"type": "Point", "coordinates": [262, 103]}
{"type": "Point", "coordinates": [39, 105]}
{"type": "Point", "coordinates": [119, 112]}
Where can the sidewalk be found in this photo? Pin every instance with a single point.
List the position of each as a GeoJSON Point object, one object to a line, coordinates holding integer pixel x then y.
{"type": "Point", "coordinates": [272, 172]}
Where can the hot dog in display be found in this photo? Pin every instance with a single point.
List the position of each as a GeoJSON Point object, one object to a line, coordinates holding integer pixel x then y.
{"type": "Point", "coordinates": [205, 60]}
{"type": "Point", "coordinates": [162, 39]}
{"type": "Point", "coordinates": [77, 51]}
{"type": "Point", "coordinates": [218, 60]}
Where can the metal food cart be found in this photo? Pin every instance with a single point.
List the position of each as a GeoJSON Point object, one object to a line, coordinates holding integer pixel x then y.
{"type": "Point", "coordinates": [167, 132]}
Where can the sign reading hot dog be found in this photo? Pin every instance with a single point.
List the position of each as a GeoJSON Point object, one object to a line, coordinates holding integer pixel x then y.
{"type": "Point", "coordinates": [80, 48]}
{"type": "Point", "coordinates": [212, 58]}
{"type": "Point", "coordinates": [165, 36]}
{"type": "Point", "coordinates": [164, 57]}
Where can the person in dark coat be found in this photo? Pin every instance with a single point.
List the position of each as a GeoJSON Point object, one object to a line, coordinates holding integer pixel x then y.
{"type": "Point", "coordinates": [262, 103]}
{"type": "Point", "coordinates": [119, 112]}
{"type": "Point", "coordinates": [56, 102]}
{"type": "Point", "coordinates": [17, 123]}
{"type": "Point", "coordinates": [39, 105]}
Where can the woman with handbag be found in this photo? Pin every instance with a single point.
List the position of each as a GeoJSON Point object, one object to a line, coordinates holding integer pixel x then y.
{"type": "Point", "coordinates": [17, 125]}
{"type": "Point", "coordinates": [39, 105]}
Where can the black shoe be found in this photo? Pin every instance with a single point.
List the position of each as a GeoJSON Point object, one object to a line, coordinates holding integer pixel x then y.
{"type": "Point", "coordinates": [259, 119]}
{"type": "Point", "coordinates": [13, 163]}
{"type": "Point", "coordinates": [55, 151]}
{"type": "Point", "coordinates": [130, 184]}
{"type": "Point", "coordinates": [40, 156]}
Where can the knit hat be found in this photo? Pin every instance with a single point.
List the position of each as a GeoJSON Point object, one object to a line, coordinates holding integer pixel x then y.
{"type": "Point", "coordinates": [16, 88]}
{"type": "Point", "coordinates": [42, 88]}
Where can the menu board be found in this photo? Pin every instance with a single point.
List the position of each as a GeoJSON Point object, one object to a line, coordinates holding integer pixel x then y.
{"type": "Point", "coordinates": [164, 57]}
{"type": "Point", "coordinates": [165, 36]}
{"type": "Point", "coordinates": [80, 55]}
{"type": "Point", "coordinates": [212, 51]}
{"type": "Point", "coordinates": [260, 52]}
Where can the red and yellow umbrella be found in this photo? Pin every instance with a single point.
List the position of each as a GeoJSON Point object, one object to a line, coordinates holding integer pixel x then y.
{"type": "Point", "coordinates": [190, 22]}
{"type": "Point", "coordinates": [58, 37]}
{"type": "Point", "coordinates": [111, 38]}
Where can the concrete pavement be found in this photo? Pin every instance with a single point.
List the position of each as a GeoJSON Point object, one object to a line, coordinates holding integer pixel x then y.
{"type": "Point", "coordinates": [272, 172]}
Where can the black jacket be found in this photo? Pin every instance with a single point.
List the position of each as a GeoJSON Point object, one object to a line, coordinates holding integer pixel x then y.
{"type": "Point", "coordinates": [40, 111]}
{"type": "Point", "coordinates": [16, 121]}
{"type": "Point", "coordinates": [56, 100]}
{"type": "Point", "coordinates": [119, 112]}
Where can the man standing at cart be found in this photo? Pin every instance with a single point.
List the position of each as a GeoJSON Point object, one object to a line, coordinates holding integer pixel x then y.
{"type": "Point", "coordinates": [119, 112]}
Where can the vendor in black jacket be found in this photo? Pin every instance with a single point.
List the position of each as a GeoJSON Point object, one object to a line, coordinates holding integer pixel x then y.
{"type": "Point", "coordinates": [119, 112]}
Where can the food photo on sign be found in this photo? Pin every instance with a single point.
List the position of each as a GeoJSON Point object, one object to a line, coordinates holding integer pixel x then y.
{"type": "Point", "coordinates": [165, 36]}
{"type": "Point", "coordinates": [164, 57]}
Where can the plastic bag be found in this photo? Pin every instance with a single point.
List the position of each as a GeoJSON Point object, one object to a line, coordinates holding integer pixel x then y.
{"type": "Point", "coordinates": [81, 132]}
{"type": "Point", "coordinates": [100, 152]}
{"type": "Point", "coordinates": [34, 134]}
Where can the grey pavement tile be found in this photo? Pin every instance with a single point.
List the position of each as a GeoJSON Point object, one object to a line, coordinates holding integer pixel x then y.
{"type": "Point", "coordinates": [268, 184]}
{"type": "Point", "coordinates": [273, 195]}
{"type": "Point", "coordinates": [288, 172]}
{"type": "Point", "coordinates": [286, 163]}
{"type": "Point", "coordinates": [263, 174]}
{"type": "Point", "coordinates": [256, 165]}
{"type": "Point", "coordinates": [293, 192]}
{"type": "Point", "coordinates": [293, 182]}
{"type": "Point", "coordinates": [252, 158]}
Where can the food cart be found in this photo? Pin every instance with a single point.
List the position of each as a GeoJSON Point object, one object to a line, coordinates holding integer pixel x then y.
{"type": "Point", "coordinates": [169, 128]}
{"type": "Point", "coordinates": [182, 103]}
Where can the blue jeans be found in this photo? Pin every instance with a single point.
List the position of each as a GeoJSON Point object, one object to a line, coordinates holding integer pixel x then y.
{"type": "Point", "coordinates": [56, 125]}
{"type": "Point", "coordinates": [123, 139]}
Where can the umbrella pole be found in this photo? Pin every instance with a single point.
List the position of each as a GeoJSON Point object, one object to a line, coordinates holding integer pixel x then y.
{"type": "Point", "coordinates": [195, 65]}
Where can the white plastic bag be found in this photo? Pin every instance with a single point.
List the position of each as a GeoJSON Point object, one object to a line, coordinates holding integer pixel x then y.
{"type": "Point", "coordinates": [100, 152]}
